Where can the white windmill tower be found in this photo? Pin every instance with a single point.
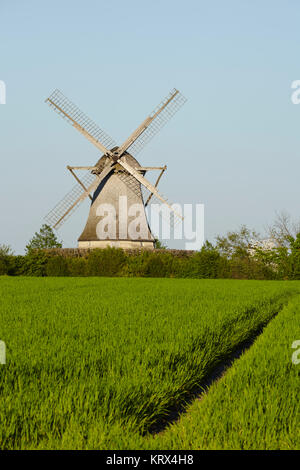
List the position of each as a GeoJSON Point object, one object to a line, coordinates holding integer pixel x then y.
{"type": "Point", "coordinates": [116, 182]}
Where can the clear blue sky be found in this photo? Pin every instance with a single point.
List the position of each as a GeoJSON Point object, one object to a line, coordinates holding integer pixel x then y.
{"type": "Point", "coordinates": [235, 144]}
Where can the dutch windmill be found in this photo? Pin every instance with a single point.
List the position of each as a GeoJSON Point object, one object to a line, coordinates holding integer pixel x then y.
{"type": "Point", "coordinates": [116, 176]}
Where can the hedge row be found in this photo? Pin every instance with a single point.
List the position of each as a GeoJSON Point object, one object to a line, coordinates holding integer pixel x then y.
{"type": "Point", "coordinates": [207, 263]}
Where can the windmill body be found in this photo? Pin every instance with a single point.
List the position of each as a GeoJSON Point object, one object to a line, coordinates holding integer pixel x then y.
{"type": "Point", "coordinates": [116, 184]}
{"type": "Point", "coordinates": [128, 210]}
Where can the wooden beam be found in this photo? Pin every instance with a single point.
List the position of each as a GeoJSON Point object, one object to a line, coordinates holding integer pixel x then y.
{"type": "Point", "coordinates": [90, 189]}
{"type": "Point", "coordinates": [147, 185]}
{"type": "Point", "coordinates": [78, 181]}
{"type": "Point", "coordinates": [147, 168]}
{"type": "Point", "coordinates": [145, 124]}
{"type": "Point", "coordinates": [83, 167]}
{"type": "Point", "coordinates": [157, 181]}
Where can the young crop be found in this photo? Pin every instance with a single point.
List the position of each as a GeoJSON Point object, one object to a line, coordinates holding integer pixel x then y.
{"type": "Point", "coordinates": [255, 405]}
{"type": "Point", "coordinates": [92, 362]}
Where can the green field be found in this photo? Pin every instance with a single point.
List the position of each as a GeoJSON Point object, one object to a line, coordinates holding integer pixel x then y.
{"type": "Point", "coordinates": [98, 363]}
{"type": "Point", "coordinates": [255, 405]}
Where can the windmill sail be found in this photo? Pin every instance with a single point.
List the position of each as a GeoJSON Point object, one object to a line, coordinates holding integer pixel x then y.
{"type": "Point", "coordinates": [80, 121]}
{"type": "Point", "coordinates": [65, 208]}
{"type": "Point", "coordinates": [157, 120]}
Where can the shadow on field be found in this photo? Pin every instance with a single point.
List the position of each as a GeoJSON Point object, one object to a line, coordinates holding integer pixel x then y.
{"type": "Point", "coordinates": [199, 392]}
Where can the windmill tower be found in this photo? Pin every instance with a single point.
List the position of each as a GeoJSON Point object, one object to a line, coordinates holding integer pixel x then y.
{"type": "Point", "coordinates": [116, 184]}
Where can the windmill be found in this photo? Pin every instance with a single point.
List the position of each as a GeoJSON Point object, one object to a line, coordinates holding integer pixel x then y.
{"type": "Point", "coordinates": [116, 183]}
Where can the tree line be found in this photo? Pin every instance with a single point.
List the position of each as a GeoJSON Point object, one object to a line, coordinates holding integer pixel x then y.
{"type": "Point", "coordinates": [240, 254]}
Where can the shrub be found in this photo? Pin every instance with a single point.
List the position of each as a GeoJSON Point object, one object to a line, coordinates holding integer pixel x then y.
{"type": "Point", "coordinates": [204, 264]}
{"type": "Point", "coordinates": [155, 267]}
{"type": "Point", "coordinates": [16, 265]}
{"type": "Point", "coordinates": [135, 265]}
{"type": "Point", "coordinates": [106, 262]}
{"type": "Point", "coordinates": [3, 267]}
{"type": "Point", "coordinates": [57, 266]}
{"type": "Point", "coordinates": [5, 254]}
{"type": "Point", "coordinates": [209, 262]}
{"type": "Point", "coordinates": [77, 266]}
{"type": "Point", "coordinates": [35, 263]}
{"type": "Point", "coordinates": [295, 265]}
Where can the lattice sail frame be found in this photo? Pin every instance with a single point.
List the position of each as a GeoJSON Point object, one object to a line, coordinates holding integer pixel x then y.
{"type": "Point", "coordinates": [72, 114]}
{"type": "Point", "coordinates": [55, 217]}
{"type": "Point", "coordinates": [159, 121]}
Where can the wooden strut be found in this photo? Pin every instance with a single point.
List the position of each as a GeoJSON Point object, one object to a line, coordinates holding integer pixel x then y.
{"type": "Point", "coordinates": [147, 185]}
{"type": "Point", "coordinates": [70, 168]}
{"type": "Point", "coordinates": [157, 181]}
{"type": "Point", "coordinates": [147, 168]}
{"type": "Point", "coordinates": [87, 192]}
{"type": "Point", "coordinates": [145, 124]}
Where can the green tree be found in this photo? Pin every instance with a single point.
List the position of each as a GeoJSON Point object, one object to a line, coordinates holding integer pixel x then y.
{"type": "Point", "coordinates": [45, 238]}
{"type": "Point", "coordinates": [236, 244]}
{"type": "Point", "coordinates": [295, 256]}
{"type": "Point", "coordinates": [284, 229]}
{"type": "Point", "coordinates": [5, 250]}
{"type": "Point", "coordinates": [159, 245]}
{"type": "Point", "coordinates": [5, 256]}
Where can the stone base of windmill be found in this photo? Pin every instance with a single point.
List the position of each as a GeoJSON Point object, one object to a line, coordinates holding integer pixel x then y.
{"type": "Point", "coordinates": [125, 244]}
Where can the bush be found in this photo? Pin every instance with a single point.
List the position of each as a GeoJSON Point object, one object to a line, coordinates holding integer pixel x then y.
{"type": "Point", "coordinates": [154, 266]}
{"type": "Point", "coordinates": [57, 266]}
{"type": "Point", "coordinates": [3, 267]}
{"type": "Point", "coordinates": [295, 265]}
{"type": "Point", "coordinates": [77, 266]}
{"type": "Point", "coordinates": [136, 265]}
{"type": "Point", "coordinates": [203, 264]}
{"type": "Point", "coordinates": [5, 255]}
{"type": "Point", "coordinates": [16, 265]}
{"type": "Point", "coordinates": [281, 263]}
{"type": "Point", "coordinates": [149, 264]}
{"type": "Point", "coordinates": [107, 262]}
{"type": "Point", "coordinates": [35, 263]}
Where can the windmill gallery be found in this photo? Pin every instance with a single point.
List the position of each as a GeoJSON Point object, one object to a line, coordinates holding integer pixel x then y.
{"type": "Point", "coordinates": [116, 184]}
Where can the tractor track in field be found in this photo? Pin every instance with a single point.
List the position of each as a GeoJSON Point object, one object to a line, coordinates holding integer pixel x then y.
{"type": "Point", "coordinates": [203, 388]}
